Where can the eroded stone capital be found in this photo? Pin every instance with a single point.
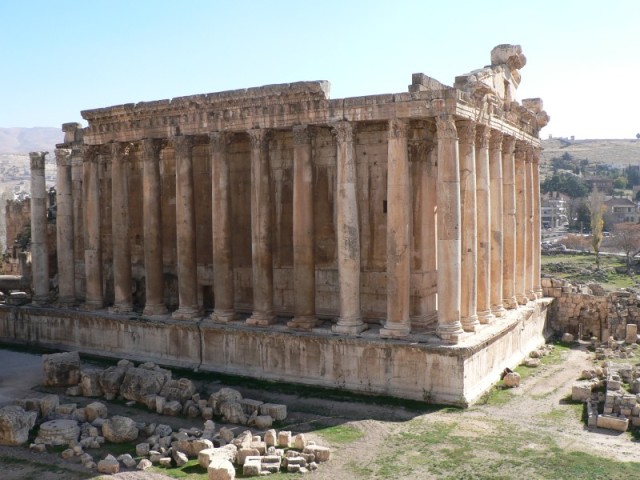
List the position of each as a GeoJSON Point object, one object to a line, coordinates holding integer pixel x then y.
{"type": "Point", "coordinates": [495, 139]}
{"type": "Point", "coordinates": [508, 144]}
{"type": "Point", "coordinates": [63, 157]}
{"type": "Point", "coordinates": [520, 151]}
{"type": "Point", "coordinates": [482, 136]}
{"type": "Point", "coordinates": [120, 150]}
{"type": "Point", "coordinates": [37, 160]}
{"type": "Point", "coordinates": [183, 144]}
{"type": "Point", "coordinates": [398, 128]}
{"type": "Point", "coordinates": [343, 131]}
{"type": "Point", "coordinates": [259, 138]}
{"type": "Point", "coordinates": [466, 131]}
{"type": "Point", "coordinates": [218, 141]}
{"type": "Point", "coordinates": [90, 153]}
{"type": "Point", "coordinates": [302, 134]}
{"type": "Point", "coordinates": [446, 127]}
{"type": "Point", "coordinates": [536, 155]}
{"type": "Point", "coordinates": [151, 147]}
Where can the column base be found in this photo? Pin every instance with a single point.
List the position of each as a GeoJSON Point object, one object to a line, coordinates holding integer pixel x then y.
{"type": "Point", "coordinates": [92, 305]}
{"type": "Point", "coordinates": [186, 313]}
{"type": "Point", "coordinates": [122, 308]}
{"type": "Point", "coordinates": [303, 322]}
{"type": "Point", "coordinates": [538, 292]}
{"type": "Point", "coordinates": [486, 317]}
{"type": "Point", "coordinates": [222, 316]}
{"type": "Point", "coordinates": [40, 300]}
{"type": "Point", "coordinates": [395, 331]}
{"type": "Point", "coordinates": [351, 328]}
{"type": "Point", "coordinates": [155, 310]}
{"type": "Point", "coordinates": [423, 321]}
{"type": "Point", "coordinates": [510, 303]}
{"type": "Point", "coordinates": [261, 319]}
{"type": "Point", "coordinates": [522, 299]}
{"type": "Point", "coordinates": [470, 324]}
{"type": "Point", "coordinates": [64, 302]}
{"type": "Point", "coordinates": [531, 295]}
{"type": "Point", "coordinates": [450, 333]}
{"type": "Point", "coordinates": [498, 311]}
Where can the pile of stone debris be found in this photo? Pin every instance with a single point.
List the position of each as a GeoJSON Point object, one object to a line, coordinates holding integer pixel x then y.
{"type": "Point", "coordinates": [609, 404]}
{"type": "Point", "coordinates": [89, 427]}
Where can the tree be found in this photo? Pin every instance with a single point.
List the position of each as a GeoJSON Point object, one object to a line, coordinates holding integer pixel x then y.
{"type": "Point", "coordinates": [620, 183]}
{"type": "Point", "coordinates": [627, 239]}
{"type": "Point", "coordinates": [569, 185]}
{"type": "Point", "coordinates": [597, 208]}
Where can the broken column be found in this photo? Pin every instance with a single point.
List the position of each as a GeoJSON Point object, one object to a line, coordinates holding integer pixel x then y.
{"type": "Point", "coordinates": [39, 248]}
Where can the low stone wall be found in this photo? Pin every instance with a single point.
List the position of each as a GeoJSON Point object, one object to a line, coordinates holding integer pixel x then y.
{"type": "Point", "coordinates": [588, 310]}
{"type": "Point", "coordinates": [420, 367]}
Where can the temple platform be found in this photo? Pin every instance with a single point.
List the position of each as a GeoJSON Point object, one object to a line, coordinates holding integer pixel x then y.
{"type": "Point", "coordinates": [419, 367]}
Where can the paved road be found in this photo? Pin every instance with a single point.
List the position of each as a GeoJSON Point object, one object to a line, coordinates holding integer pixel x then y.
{"type": "Point", "coordinates": [19, 373]}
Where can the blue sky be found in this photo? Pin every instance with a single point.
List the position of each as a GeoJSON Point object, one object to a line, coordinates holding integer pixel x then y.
{"type": "Point", "coordinates": [58, 57]}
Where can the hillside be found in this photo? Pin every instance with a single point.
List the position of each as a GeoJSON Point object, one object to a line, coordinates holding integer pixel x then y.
{"type": "Point", "coordinates": [25, 140]}
{"type": "Point", "coordinates": [611, 152]}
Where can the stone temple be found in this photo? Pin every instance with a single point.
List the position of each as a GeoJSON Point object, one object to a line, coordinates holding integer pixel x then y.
{"type": "Point", "coordinates": [386, 244]}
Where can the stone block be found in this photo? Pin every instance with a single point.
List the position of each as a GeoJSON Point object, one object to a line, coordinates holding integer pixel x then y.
{"type": "Point", "coordinates": [250, 406]}
{"type": "Point", "coordinates": [180, 458]}
{"type": "Point", "coordinates": [222, 396]}
{"type": "Point", "coordinates": [165, 462]}
{"type": "Point", "coordinates": [631, 336]}
{"type": "Point", "coordinates": [243, 453]}
{"type": "Point", "coordinates": [90, 382]}
{"type": "Point", "coordinates": [109, 465]}
{"type": "Point", "coordinates": [127, 460]}
{"type": "Point", "coordinates": [284, 439]}
{"type": "Point", "coordinates": [270, 438]}
{"type": "Point", "coordinates": [145, 464]}
{"type": "Point", "coordinates": [567, 337]}
{"type": "Point", "coordinates": [61, 369]}
{"type": "Point", "coordinates": [140, 382]}
{"type": "Point", "coordinates": [220, 469]}
{"type": "Point", "coordinates": [581, 391]}
{"type": "Point", "coordinates": [120, 429]}
{"type": "Point", "coordinates": [511, 379]}
{"type": "Point", "coordinates": [276, 411]}
{"type": "Point", "coordinates": [252, 466]}
{"type": "Point", "coordinates": [95, 410]}
{"type": "Point", "coordinates": [299, 442]}
{"type": "Point", "coordinates": [172, 409]}
{"type": "Point", "coordinates": [322, 454]}
{"type": "Point", "coordinates": [48, 404]}
{"type": "Point", "coordinates": [613, 422]}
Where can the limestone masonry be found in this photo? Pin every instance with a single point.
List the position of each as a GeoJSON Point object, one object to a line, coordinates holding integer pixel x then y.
{"type": "Point", "coordinates": [387, 243]}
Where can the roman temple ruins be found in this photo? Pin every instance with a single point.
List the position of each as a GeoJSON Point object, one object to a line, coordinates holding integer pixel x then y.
{"type": "Point", "coordinates": [386, 244]}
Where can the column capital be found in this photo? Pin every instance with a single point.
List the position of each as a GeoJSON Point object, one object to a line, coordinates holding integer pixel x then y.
{"type": "Point", "coordinates": [182, 144]}
{"type": "Point", "coordinates": [302, 134]}
{"type": "Point", "coordinates": [446, 127]}
{"type": "Point", "coordinates": [37, 160]}
{"type": "Point", "coordinates": [521, 150]}
{"type": "Point", "coordinates": [398, 128]}
{"type": "Point", "coordinates": [343, 131]}
{"type": "Point", "coordinates": [151, 148]}
{"type": "Point", "coordinates": [482, 136]}
{"type": "Point", "coordinates": [508, 144]}
{"type": "Point", "coordinates": [536, 155]}
{"type": "Point", "coordinates": [466, 131]}
{"type": "Point", "coordinates": [63, 157]}
{"type": "Point", "coordinates": [495, 139]}
{"type": "Point", "coordinates": [90, 153]}
{"type": "Point", "coordinates": [120, 150]}
{"type": "Point", "coordinates": [259, 137]}
{"type": "Point", "coordinates": [218, 141]}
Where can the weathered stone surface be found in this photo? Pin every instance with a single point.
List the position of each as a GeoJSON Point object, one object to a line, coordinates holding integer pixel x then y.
{"type": "Point", "coordinates": [138, 383]}
{"type": "Point", "coordinates": [111, 380]}
{"type": "Point", "coordinates": [127, 460]}
{"type": "Point", "coordinates": [222, 396]}
{"type": "Point", "coordinates": [120, 429]}
{"type": "Point", "coordinates": [142, 449]}
{"type": "Point", "coordinates": [252, 466]}
{"type": "Point", "coordinates": [95, 410]}
{"type": "Point", "coordinates": [180, 458]}
{"type": "Point", "coordinates": [145, 464]}
{"type": "Point", "coordinates": [613, 422]}
{"type": "Point", "coordinates": [15, 424]}
{"type": "Point", "coordinates": [567, 338]}
{"type": "Point", "coordinates": [90, 382]}
{"type": "Point", "coordinates": [322, 454]}
{"type": "Point", "coordinates": [172, 409]}
{"type": "Point", "coordinates": [275, 411]}
{"type": "Point", "coordinates": [227, 452]}
{"type": "Point", "coordinates": [58, 432]}
{"type": "Point", "coordinates": [48, 404]}
{"type": "Point", "coordinates": [299, 442]}
{"type": "Point", "coordinates": [284, 439]}
{"type": "Point", "coordinates": [581, 391]}
{"type": "Point", "coordinates": [261, 422]}
{"type": "Point", "coordinates": [233, 413]}
{"type": "Point", "coordinates": [109, 465]}
{"type": "Point", "coordinates": [270, 438]}
{"type": "Point", "coordinates": [61, 369]}
{"type": "Point", "coordinates": [221, 469]}
{"type": "Point", "coordinates": [180, 390]}
{"type": "Point", "coordinates": [511, 379]}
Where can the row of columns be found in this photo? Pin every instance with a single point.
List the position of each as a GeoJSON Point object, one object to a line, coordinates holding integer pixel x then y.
{"type": "Point", "coordinates": [487, 243]}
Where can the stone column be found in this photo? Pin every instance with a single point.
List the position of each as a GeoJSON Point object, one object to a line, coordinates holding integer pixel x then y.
{"type": "Point", "coordinates": [495, 183]}
{"type": "Point", "coordinates": [537, 286]}
{"type": "Point", "coordinates": [508, 224]}
{"type": "Point", "coordinates": [77, 179]}
{"type": "Point", "coordinates": [304, 269]}
{"type": "Point", "coordinates": [448, 194]}
{"type": "Point", "coordinates": [469, 234]}
{"type": "Point", "coordinates": [152, 229]}
{"type": "Point", "coordinates": [188, 307]}
{"type": "Point", "coordinates": [261, 217]}
{"type": "Point", "coordinates": [94, 298]}
{"type": "Point", "coordinates": [483, 204]}
{"type": "Point", "coordinates": [221, 229]}
{"type": "Point", "coordinates": [347, 233]}
{"type": "Point", "coordinates": [529, 246]}
{"type": "Point", "coordinates": [398, 322]}
{"type": "Point", "coordinates": [120, 228]}
{"type": "Point", "coordinates": [64, 228]}
{"type": "Point", "coordinates": [521, 224]}
{"type": "Point", "coordinates": [39, 247]}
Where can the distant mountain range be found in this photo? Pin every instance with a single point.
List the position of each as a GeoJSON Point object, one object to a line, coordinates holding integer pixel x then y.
{"type": "Point", "coordinates": [618, 152]}
{"type": "Point", "coordinates": [25, 140]}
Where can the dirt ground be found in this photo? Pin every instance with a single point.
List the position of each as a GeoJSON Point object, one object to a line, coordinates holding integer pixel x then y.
{"type": "Point", "coordinates": [538, 407]}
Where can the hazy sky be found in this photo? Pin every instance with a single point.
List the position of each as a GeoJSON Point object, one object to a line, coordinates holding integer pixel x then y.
{"type": "Point", "coordinates": [58, 57]}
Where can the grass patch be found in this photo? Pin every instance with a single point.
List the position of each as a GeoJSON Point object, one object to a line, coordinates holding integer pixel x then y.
{"type": "Point", "coordinates": [580, 268]}
{"type": "Point", "coordinates": [191, 470]}
{"type": "Point", "coordinates": [340, 434]}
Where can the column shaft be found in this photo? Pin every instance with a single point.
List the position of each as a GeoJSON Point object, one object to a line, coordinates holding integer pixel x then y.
{"type": "Point", "coordinates": [521, 224]}
{"type": "Point", "coordinates": [64, 228]}
{"type": "Point", "coordinates": [398, 322]}
{"type": "Point", "coordinates": [188, 307]}
{"type": "Point", "coordinates": [152, 228]}
{"type": "Point", "coordinates": [495, 183]}
{"type": "Point", "coordinates": [77, 179]}
{"type": "Point", "coordinates": [120, 228]}
{"type": "Point", "coordinates": [347, 233]}
{"type": "Point", "coordinates": [529, 254]}
{"type": "Point", "coordinates": [448, 195]}
{"type": "Point", "coordinates": [508, 224]}
{"type": "Point", "coordinates": [39, 247]}
{"type": "Point", "coordinates": [221, 229]}
{"type": "Point", "coordinates": [537, 287]}
{"type": "Point", "coordinates": [304, 272]}
{"type": "Point", "coordinates": [261, 217]}
{"type": "Point", "coordinates": [94, 298]}
{"type": "Point", "coordinates": [469, 234]}
{"type": "Point", "coordinates": [483, 204]}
